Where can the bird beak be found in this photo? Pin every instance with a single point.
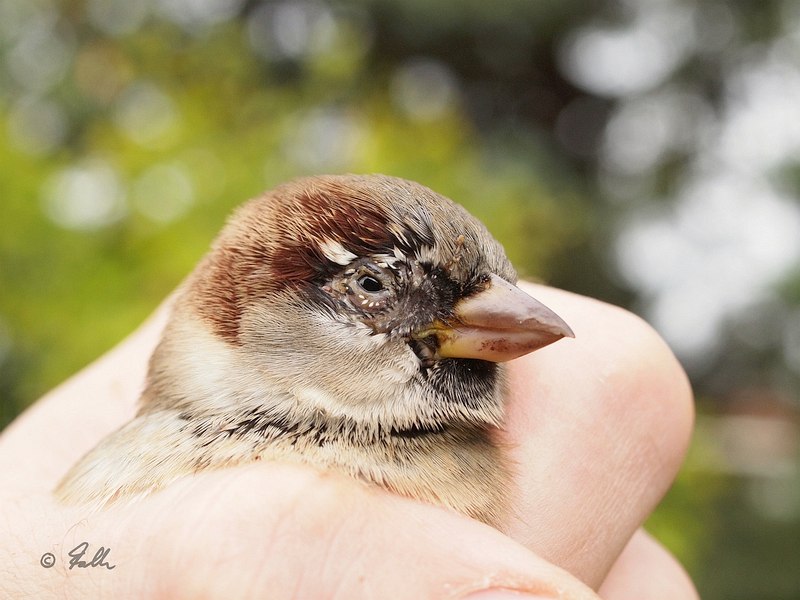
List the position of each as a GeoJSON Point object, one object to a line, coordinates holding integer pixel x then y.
{"type": "Point", "coordinates": [499, 323]}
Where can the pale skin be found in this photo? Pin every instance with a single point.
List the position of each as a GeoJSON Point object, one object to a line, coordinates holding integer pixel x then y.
{"type": "Point", "coordinates": [598, 427]}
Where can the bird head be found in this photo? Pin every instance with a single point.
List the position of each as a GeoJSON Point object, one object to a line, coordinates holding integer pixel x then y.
{"type": "Point", "coordinates": [369, 298]}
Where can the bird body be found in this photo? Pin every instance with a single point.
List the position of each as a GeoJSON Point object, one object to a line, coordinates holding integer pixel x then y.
{"type": "Point", "coordinates": [351, 323]}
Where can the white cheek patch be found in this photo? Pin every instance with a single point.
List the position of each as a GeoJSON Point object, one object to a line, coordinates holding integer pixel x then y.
{"type": "Point", "coordinates": [204, 365]}
{"type": "Point", "coordinates": [335, 252]}
{"type": "Point", "coordinates": [354, 337]}
{"type": "Point", "coordinates": [313, 397]}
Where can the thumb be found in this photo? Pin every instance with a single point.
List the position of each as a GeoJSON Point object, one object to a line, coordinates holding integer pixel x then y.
{"type": "Point", "coordinates": [287, 532]}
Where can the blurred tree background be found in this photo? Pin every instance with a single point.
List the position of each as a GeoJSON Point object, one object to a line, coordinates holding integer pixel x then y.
{"type": "Point", "coordinates": [641, 151]}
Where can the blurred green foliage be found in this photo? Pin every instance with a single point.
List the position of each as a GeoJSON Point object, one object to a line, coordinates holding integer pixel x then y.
{"type": "Point", "coordinates": [131, 129]}
{"type": "Point", "coordinates": [234, 128]}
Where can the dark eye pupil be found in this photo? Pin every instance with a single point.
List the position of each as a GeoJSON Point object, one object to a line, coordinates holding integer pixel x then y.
{"type": "Point", "coordinates": [370, 284]}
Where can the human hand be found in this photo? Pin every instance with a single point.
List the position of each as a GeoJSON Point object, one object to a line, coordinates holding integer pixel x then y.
{"type": "Point", "coordinates": [598, 427]}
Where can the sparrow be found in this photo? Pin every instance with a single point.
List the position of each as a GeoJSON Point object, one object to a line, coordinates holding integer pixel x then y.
{"type": "Point", "coordinates": [352, 323]}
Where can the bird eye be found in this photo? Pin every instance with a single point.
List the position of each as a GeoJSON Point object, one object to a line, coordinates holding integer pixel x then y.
{"type": "Point", "coordinates": [370, 284]}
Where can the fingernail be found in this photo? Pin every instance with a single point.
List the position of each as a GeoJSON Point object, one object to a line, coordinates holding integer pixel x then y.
{"type": "Point", "coordinates": [500, 594]}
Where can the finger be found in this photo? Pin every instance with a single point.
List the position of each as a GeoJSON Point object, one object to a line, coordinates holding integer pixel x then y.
{"type": "Point", "coordinates": [42, 443]}
{"type": "Point", "coordinates": [282, 532]}
{"type": "Point", "coordinates": [599, 426]}
{"type": "Point", "coordinates": [645, 570]}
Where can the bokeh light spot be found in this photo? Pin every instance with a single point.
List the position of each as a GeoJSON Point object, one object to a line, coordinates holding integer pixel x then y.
{"type": "Point", "coordinates": [326, 139]}
{"type": "Point", "coordinates": [633, 59]}
{"type": "Point", "coordinates": [42, 53]}
{"type": "Point", "coordinates": [424, 89]}
{"type": "Point", "coordinates": [163, 193]}
{"type": "Point", "coordinates": [118, 17]}
{"type": "Point", "coordinates": [37, 126]}
{"type": "Point", "coordinates": [146, 114]}
{"type": "Point", "coordinates": [85, 197]}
